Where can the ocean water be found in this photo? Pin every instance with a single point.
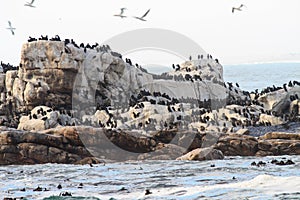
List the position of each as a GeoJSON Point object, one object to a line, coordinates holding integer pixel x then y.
{"type": "Point", "coordinates": [231, 178]}
{"type": "Point", "coordinates": [262, 75]}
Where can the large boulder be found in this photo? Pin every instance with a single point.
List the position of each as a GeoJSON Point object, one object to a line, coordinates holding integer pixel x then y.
{"type": "Point", "coordinates": [207, 153]}
{"type": "Point", "coordinates": [237, 145]}
{"type": "Point", "coordinates": [40, 118]}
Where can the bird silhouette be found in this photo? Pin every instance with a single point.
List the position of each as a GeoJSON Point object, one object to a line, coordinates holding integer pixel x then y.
{"type": "Point", "coordinates": [238, 8]}
{"type": "Point", "coordinates": [121, 13]}
{"type": "Point", "coordinates": [30, 4]}
{"type": "Point", "coordinates": [11, 28]}
{"type": "Point", "coordinates": [142, 17]}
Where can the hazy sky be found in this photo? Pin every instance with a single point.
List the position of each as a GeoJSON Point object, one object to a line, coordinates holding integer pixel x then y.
{"type": "Point", "coordinates": [266, 30]}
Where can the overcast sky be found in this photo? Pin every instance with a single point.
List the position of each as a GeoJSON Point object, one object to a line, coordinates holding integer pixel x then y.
{"type": "Point", "coordinates": [266, 30]}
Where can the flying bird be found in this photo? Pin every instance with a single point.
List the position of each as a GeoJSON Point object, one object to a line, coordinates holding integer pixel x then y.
{"type": "Point", "coordinates": [142, 18]}
{"type": "Point", "coordinates": [238, 8]}
{"type": "Point", "coordinates": [121, 13]}
{"type": "Point", "coordinates": [11, 28]}
{"type": "Point", "coordinates": [30, 4]}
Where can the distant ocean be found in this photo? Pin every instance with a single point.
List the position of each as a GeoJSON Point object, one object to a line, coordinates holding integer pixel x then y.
{"type": "Point", "coordinates": [261, 75]}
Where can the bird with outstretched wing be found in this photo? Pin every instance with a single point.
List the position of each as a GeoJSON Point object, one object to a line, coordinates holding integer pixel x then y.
{"type": "Point", "coordinates": [11, 28]}
{"type": "Point", "coordinates": [121, 13]}
{"type": "Point", "coordinates": [142, 17]}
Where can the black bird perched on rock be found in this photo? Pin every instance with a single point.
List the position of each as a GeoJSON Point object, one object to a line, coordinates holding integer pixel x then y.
{"type": "Point", "coordinates": [31, 39]}
{"type": "Point", "coordinates": [142, 17]}
{"type": "Point", "coordinates": [169, 109]}
{"type": "Point", "coordinates": [136, 114]}
{"type": "Point", "coordinates": [284, 87]}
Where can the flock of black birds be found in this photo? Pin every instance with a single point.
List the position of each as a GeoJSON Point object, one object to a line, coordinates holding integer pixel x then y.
{"type": "Point", "coordinates": [7, 67]}
{"type": "Point", "coordinates": [128, 61]}
{"type": "Point", "coordinates": [96, 46]}
{"type": "Point", "coordinates": [166, 100]}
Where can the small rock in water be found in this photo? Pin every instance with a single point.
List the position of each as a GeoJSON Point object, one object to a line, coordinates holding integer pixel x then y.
{"type": "Point", "coordinates": [8, 198]}
{"type": "Point", "coordinates": [123, 189]}
{"type": "Point", "coordinates": [253, 163]}
{"type": "Point", "coordinates": [23, 190]}
{"type": "Point", "coordinates": [261, 163]}
{"type": "Point", "coordinates": [80, 185]}
{"type": "Point", "coordinates": [65, 194]}
{"type": "Point", "coordinates": [38, 189]}
{"type": "Point", "coordinates": [59, 187]}
{"type": "Point", "coordinates": [274, 161]}
{"type": "Point", "coordinates": [148, 192]}
{"type": "Point", "coordinates": [288, 162]}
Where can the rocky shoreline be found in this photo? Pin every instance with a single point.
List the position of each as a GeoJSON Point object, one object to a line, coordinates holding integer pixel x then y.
{"type": "Point", "coordinates": [74, 104]}
{"type": "Point", "coordinates": [63, 145]}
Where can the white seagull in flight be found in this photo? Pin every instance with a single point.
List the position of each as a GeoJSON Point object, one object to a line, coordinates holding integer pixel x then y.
{"type": "Point", "coordinates": [11, 28]}
{"type": "Point", "coordinates": [142, 18]}
{"type": "Point", "coordinates": [30, 4]}
{"type": "Point", "coordinates": [239, 8]}
{"type": "Point", "coordinates": [121, 13]}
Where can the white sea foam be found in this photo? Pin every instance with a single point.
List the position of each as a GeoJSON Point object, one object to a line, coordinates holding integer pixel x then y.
{"type": "Point", "coordinates": [264, 185]}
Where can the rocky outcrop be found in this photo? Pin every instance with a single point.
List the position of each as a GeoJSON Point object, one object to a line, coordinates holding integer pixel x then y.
{"type": "Point", "coordinates": [237, 145]}
{"type": "Point", "coordinates": [112, 103]}
{"type": "Point", "coordinates": [53, 73]}
{"type": "Point", "coordinates": [64, 145]}
{"type": "Point", "coordinates": [271, 144]}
